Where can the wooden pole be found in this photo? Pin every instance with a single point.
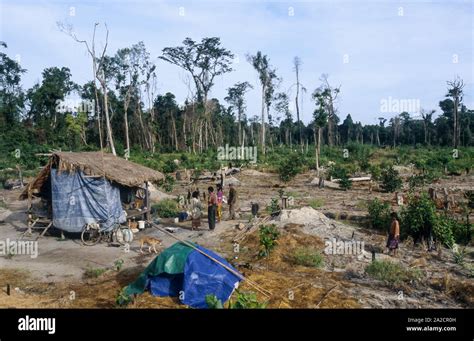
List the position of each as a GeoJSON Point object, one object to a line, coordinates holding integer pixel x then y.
{"type": "Point", "coordinates": [147, 202]}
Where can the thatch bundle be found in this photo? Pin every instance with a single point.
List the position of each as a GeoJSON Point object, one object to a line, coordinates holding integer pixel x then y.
{"type": "Point", "coordinates": [113, 168]}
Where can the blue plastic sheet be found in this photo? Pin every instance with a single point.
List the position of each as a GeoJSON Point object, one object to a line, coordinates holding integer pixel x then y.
{"type": "Point", "coordinates": [78, 200]}
{"type": "Point", "coordinates": [201, 277]}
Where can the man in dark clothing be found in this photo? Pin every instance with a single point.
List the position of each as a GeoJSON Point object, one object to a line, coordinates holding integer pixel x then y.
{"type": "Point", "coordinates": [211, 208]}
{"type": "Point", "coordinates": [232, 201]}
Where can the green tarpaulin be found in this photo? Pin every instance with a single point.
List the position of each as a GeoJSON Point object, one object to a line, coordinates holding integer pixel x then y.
{"type": "Point", "coordinates": [171, 261]}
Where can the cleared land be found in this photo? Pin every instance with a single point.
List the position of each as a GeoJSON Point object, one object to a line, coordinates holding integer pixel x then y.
{"type": "Point", "coordinates": [68, 274]}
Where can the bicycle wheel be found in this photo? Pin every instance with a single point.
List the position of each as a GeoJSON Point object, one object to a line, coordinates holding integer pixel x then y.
{"type": "Point", "coordinates": [90, 236]}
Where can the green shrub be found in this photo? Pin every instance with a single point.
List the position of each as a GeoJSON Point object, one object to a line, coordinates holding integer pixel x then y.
{"type": "Point", "coordinates": [247, 300]}
{"type": "Point", "coordinates": [290, 166]}
{"type": "Point", "coordinates": [375, 171]}
{"type": "Point", "coordinates": [274, 207]}
{"type": "Point", "coordinates": [459, 255]}
{"type": "Point", "coordinates": [419, 214]}
{"type": "Point", "coordinates": [390, 179]}
{"type": "Point", "coordinates": [269, 235]}
{"type": "Point", "coordinates": [122, 299]}
{"type": "Point", "coordinates": [166, 208]}
{"type": "Point", "coordinates": [170, 167]}
{"type": "Point", "coordinates": [94, 272]}
{"type": "Point", "coordinates": [341, 173]}
{"type": "Point", "coordinates": [443, 229]}
{"type": "Point", "coordinates": [345, 183]}
{"type": "Point", "coordinates": [316, 203]}
{"type": "Point", "coordinates": [379, 214]}
{"type": "Point", "coordinates": [167, 183]}
{"type": "Point", "coordinates": [213, 302]}
{"type": "Point", "coordinates": [308, 257]}
{"type": "Point", "coordinates": [392, 273]}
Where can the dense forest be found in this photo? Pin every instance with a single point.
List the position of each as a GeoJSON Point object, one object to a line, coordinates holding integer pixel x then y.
{"type": "Point", "coordinates": [121, 111]}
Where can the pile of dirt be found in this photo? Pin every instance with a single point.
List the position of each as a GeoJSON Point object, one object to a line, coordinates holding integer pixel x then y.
{"type": "Point", "coordinates": [304, 215]}
{"type": "Point", "coordinates": [231, 180]}
{"type": "Point", "coordinates": [157, 195]}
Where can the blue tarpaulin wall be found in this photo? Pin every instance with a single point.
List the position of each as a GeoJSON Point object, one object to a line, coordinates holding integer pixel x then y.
{"type": "Point", "coordinates": [201, 277]}
{"type": "Point", "coordinates": [78, 200]}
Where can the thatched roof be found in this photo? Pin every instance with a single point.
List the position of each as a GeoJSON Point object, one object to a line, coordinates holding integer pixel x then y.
{"type": "Point", "coordinates": [115, 169]}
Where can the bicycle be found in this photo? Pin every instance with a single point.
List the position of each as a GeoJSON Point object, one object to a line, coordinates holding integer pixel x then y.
{"type": "Point", "coordinates": [93, 233]}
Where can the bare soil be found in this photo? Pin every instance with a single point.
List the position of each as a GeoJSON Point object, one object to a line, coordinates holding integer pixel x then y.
{"type": "Point", "coordinates": [68, 274]}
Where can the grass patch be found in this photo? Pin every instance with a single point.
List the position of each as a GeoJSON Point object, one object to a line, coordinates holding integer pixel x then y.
{"type": "Point", "coordinates": [316, 203]}
{"type": "Point", "coordinates": [166, 208]}
{"type": "Point", "coordinates": [308, 257]}
{"type": "Point", "coordinates": [392, 273]}
{"type": "Point", "coordinates": [94, 272]}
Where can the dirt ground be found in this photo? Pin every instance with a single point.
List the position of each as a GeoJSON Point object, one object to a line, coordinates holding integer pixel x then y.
{"type": "Point", "coordinates": [68, 274]}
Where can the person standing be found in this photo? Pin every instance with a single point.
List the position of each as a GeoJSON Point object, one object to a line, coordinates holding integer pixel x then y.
{"type": "Point", "coordinates": [393, 235]}
{"type": "Point", "coordinates": [220, 197]}
{"type": "Point", "coordinates": [232, 201]}
{"type": "Point", "coordinates": [196, 211]}
{"type": "Point", "coordinates": [211, 208]}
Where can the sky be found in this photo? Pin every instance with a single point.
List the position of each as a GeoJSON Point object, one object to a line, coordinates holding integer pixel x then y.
{"type": "Point", "coordinates": [376, 51]}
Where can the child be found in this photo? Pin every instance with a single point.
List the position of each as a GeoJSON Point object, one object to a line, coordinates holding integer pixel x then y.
{"type": "Point", "coordinates": [220, 196]}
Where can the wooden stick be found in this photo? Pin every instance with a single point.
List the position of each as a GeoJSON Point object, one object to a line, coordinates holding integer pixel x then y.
{"type": "Point", "coordinates": [326, 295]}
{"type": "Point", "coordinates": [261, 290]}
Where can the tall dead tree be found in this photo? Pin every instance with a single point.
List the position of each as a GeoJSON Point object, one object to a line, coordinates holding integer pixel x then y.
{"type": "Point", "coordinates": [455, 91]}
{"type": "Point", "coordinates": [99, 74]}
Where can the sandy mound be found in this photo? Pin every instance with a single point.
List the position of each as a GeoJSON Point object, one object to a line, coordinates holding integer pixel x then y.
{"type": "Point", "coordinates": [231, 180]}
{"type": "Point", "coordinates": [304, 216]}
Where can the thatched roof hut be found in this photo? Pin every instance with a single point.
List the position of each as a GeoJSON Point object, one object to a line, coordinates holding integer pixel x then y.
{"type": "Point", "coordinates": [113, 168]}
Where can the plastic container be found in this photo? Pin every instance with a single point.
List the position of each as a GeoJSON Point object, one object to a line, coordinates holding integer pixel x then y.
{"type": "Point", "coordinates": [141, 224]}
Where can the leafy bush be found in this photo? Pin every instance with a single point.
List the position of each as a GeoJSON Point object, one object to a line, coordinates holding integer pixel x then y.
{"type": "Point", "coordinates": [167, 184]}
{"type": "Point", "coordinates": [269, 235]}
{"type": "Point", "coordinates": [170, 166]}
{"type": "Point", "coordinates": [122, 298]}
{"type": "Point", "coordinates": [247, 300]}
{"type": "Point", "coordinates": [274, 207]}
{"type": "Point", "coordinates": [459, 255]}
{"type": "Point", "coordinates": [339, 172]}
{"type": "Point", "coordinates": [118, 264]}
{"type": "Point", "coordinates": [345, 183]}
{"type": "Point", "coordinates": [213, 302]}
{"type": "Point", "coordinates": [416, 181]}
{"type": "Point", "coordinates": [375, 171]}
{"type": "Point", "coordinates": [379, 214]}
{"type": "Point", "coordinates": [420, 214]}
{"type": "Point", "coordinates": [443, 229]}
{"type": "Point", "coordinates": [166, 208]}
{"type": "Point", "coordinates": [392, 273]}
{"type": "Point", "coordinates": [390, 179]}
{"type": "Point", "coordinates": [290, 166]}
{"type": "Point", "coordinates": [307, 257]}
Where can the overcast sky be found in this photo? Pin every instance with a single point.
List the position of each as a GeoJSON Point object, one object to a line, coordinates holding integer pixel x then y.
{"type": "Point", "coordinates": [372, 49]}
